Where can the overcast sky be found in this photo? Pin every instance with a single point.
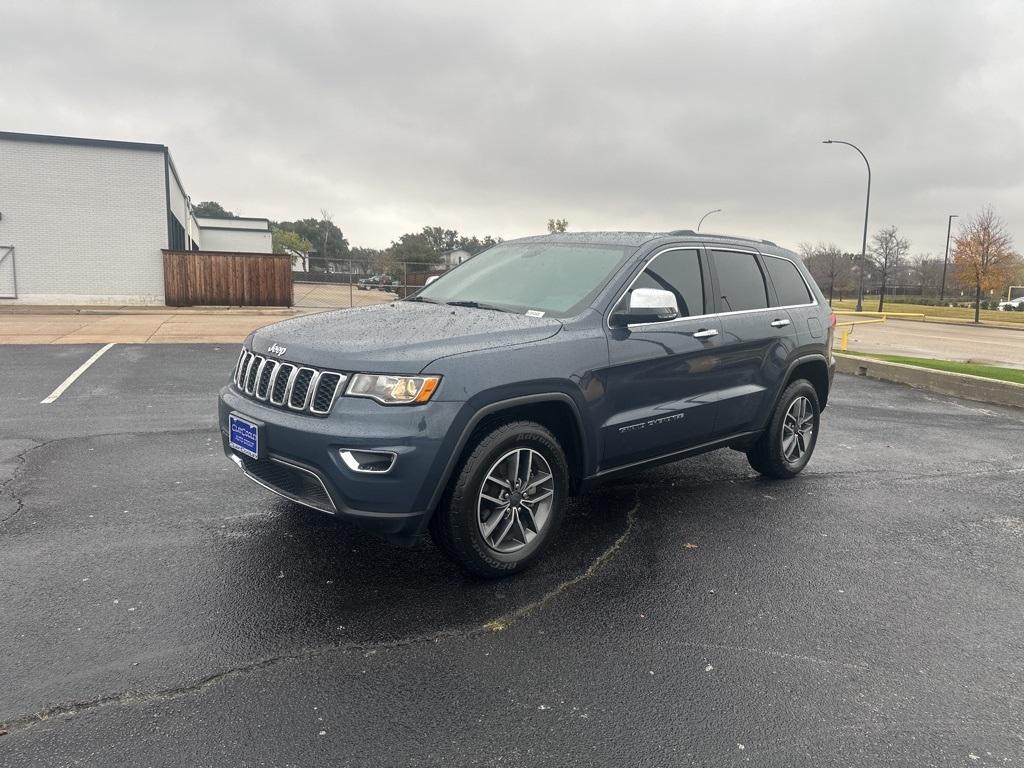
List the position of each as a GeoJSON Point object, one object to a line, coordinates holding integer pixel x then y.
{"type": "Point", "coordinates": [492, 117]}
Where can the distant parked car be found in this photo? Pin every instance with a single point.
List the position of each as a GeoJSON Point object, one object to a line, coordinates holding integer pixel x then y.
{"type": "Point", "coordinates": [375, 281]}
{"type": "Point", "coordinates": [1013, 305]}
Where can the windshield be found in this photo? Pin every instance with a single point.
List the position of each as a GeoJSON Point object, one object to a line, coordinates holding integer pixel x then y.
{"type": "Point", "coordinates": [558, 279]}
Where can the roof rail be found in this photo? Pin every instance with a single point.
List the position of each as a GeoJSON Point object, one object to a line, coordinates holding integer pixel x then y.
{"type": "Point", "coordinates": [722, 237]}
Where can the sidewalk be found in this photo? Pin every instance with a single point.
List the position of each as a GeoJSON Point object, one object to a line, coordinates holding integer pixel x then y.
{"type": "Point", "coordinates": [135, 325]}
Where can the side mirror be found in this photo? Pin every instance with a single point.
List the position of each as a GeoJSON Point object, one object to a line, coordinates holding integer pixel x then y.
{"type": "Point", "coordinates": [647, 305]}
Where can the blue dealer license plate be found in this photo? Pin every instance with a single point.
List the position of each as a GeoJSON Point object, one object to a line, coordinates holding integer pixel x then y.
{"type": "Point", "coordinates": [243, 436]}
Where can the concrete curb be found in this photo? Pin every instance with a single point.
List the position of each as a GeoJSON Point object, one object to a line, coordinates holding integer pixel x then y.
{"type": "Point", "coordinates": [118, 309]}
{"type": "Point", "coordinates": [941, 382]}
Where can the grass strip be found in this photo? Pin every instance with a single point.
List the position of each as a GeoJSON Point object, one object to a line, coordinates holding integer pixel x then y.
{"type": "Point", "coordinates": [996, 372]}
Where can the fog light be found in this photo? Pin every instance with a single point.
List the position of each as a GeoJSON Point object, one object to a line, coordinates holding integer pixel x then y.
{"type": "Point", "coordinates": [370, 462]}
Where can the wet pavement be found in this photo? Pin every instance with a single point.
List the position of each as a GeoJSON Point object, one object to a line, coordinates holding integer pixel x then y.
{"type": "Point", "coordinates": [159, 609]}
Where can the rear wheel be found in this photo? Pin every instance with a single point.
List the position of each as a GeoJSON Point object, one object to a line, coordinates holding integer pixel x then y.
{"type": "Point", "coordinates": [785, 447]}
{"type": "Point", "coordinates": [505, 502]}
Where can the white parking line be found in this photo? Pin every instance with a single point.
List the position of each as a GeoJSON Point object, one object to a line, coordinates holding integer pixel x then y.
{"type": "Point", "coordinates": [71, 379]}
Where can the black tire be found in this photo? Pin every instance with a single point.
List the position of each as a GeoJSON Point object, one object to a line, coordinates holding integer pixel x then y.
{"type": "Point", "coordinates": [455, 526]}
{"type": "Point", "coordinates": [767, 455]}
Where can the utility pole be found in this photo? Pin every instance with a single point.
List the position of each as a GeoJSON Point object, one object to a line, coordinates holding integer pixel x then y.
{"type": "Point", "coordinates": [867, 206]}
{"type": "Point", "coordinates": [945, 260]}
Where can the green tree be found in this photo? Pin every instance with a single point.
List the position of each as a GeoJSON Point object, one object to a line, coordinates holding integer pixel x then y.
{"type": "Point", "coordinates": [444, 240]}
{"type": "Point", "coordinates": [327, 239]}
{"type": "Point", "coordinates": [441, 239]}
{"type": "Point", "coordinates": [373, 261]}
{"type": "Point", "coordinates": [558, 225]}
{"type": "Point", "coordinates": [211, 209]}
{"type": "Point", "coordinates": [292, 243]}
{"type": "Point", "coordinates": [474, 245]}
{"type": "Point", "coordinates": [415, 248]}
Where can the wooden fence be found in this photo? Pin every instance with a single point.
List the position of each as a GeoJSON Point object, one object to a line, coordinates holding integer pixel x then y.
{"type": "Point", "coordinates": [227, 279]}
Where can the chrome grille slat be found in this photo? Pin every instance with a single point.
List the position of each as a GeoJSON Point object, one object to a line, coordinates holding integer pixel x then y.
{"type": "Point", "coordinates": [266, 376]}
{"type": "Point", "coordinates": [238, 364]}
{"type": "Point", "coordinates": [281, 380]}
{"type": "Point", "coordinates": [243, 367]}
{"type": "Point", "coordinates": [299, 388]}
{"type": "Point", "coordinates": [325, 393]}
{"type": "Point", "coordinates": [302, 387]}
{"type": "Point", "coordinates": [252, 371]}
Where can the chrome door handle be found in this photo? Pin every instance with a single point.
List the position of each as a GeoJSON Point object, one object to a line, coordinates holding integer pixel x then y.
{"type": "Point", "coordinates": [705, 333]}
{"type": "Point", "coordinates": [780, 322]}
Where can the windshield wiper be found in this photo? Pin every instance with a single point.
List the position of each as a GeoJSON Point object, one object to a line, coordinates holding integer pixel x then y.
{"type": "Point", "coordinates": [476, 305]}
{"type": "Point", "coordinates": [420, 298]}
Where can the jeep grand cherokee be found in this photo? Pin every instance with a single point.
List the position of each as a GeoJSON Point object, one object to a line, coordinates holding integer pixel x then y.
{"type": "Point", "coordinates": [476, 406]}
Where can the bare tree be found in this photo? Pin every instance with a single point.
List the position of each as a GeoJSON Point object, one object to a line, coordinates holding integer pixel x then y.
{"type": "Point", "coordinates": [558, 225]}
{"type": "Point", "coordinates": [926, 271]}
{"type": "Point", "coordinates": [983, 255]}
{"type": "Point", "coordinates": [829, 266]}
{"type": "Point", "coordinates": [888, 251]}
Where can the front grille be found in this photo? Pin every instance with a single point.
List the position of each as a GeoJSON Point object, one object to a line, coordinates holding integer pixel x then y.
{"type": "Point", "coordinates": [285, 385]}
{"type": "Point", "coordinates": [298, 484]}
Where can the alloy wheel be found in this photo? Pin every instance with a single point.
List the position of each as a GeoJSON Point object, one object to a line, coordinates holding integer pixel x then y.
{"type": "Point", "coordinates": [797, 429]}
{"type": "Point", "coordinates": [515, 500]}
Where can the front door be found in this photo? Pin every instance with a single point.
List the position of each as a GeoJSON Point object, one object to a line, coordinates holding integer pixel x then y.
{"type": "Point", "coordinates": [662, 378]}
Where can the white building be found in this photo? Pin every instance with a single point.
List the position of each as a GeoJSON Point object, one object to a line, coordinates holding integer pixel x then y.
{"type": "Point", "coordinates": [84, 221]}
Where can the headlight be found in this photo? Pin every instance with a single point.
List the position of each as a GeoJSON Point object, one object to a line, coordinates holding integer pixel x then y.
{"type": "Point", "coordinates": [393, 390]}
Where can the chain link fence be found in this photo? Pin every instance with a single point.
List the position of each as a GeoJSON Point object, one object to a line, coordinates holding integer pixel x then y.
{"type": "Point", "coordinates": [343, 283]}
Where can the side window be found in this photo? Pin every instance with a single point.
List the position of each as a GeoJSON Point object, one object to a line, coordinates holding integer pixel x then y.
{"type": "Point", "coordinates": [679, 272]}
{"type": "Point", "coordinates": [740, 282]}
{"type": "Point", "coordinates": [789, 285]}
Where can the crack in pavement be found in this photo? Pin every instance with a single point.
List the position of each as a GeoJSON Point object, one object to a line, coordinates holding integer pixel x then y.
{"type": "Point", "coordinates": [498, 624]}
{"type": "Point", "coordinates": [7, 486]}
{"type": "Point", "coordinates": [21, 458]}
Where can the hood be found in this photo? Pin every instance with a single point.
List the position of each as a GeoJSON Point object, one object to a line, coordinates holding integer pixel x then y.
{"type": "Point", "coordinates": [400, 337]}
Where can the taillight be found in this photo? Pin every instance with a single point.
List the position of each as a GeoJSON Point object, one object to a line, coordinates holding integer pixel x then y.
{"type": "Point", "coordinates": [832, 320]}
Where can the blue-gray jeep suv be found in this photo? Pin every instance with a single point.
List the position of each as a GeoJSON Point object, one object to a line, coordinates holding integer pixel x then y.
{"type": "Point", "coordinates": [475, 407]}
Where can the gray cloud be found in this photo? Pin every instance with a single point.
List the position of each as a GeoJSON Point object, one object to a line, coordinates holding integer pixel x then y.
{"type": "Point", "coordinates": [492, 117]}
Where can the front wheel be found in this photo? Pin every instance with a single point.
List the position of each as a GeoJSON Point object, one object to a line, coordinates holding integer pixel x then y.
{"type": "Point", "coordinates": [786, 445]}
{"type": "Point", "coordinates": [505, 502]}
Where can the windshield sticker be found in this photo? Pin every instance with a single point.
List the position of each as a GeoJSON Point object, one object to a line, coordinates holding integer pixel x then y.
{"type": "Point", "coordinates": [534, 313]}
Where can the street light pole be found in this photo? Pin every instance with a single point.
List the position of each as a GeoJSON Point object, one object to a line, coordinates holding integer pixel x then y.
{"type": "Point", "coordinates": [945, 260]}
{"type": "Point", "coordinates": [717, 210]}
{"type": "Point", "coordinates": [867, 207]}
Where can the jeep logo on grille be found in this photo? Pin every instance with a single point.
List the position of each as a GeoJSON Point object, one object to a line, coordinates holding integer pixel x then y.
{"type": "Point", "coordinates": [277, 349]}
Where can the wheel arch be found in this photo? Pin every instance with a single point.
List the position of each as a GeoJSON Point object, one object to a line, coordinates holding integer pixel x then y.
{"type": "Point", "coordinates": [557, 411]}
{"type": "Point", "coordinates": [813, 368]}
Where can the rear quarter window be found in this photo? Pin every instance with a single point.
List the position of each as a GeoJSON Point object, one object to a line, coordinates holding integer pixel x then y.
{"type": "Point", "coordinates": [789, 284]}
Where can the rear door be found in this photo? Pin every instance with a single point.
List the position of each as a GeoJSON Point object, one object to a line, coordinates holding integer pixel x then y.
{"type": "Point", "coordinates": [793, 295]}
{"type": "Point", "coordinates": [662, 379]}
{"type": "Point", "coordinates": [758, 339]}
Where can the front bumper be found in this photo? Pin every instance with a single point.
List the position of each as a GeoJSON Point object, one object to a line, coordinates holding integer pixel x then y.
{"type": "Point", "coordinates": [305, 452]}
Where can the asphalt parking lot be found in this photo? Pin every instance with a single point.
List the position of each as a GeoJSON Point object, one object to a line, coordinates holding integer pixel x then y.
{"type": "Point", "coordinates": [159, 609]}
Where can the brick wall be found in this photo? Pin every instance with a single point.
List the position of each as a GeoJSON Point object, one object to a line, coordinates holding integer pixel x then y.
{"type": "Point", "coordinates": [87, 223]}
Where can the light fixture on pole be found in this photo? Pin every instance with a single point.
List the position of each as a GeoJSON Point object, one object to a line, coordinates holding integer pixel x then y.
{"type": "Point", "coordinates": [716, 210]}
{"type": "Point", "coordinates": [867, 206]}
